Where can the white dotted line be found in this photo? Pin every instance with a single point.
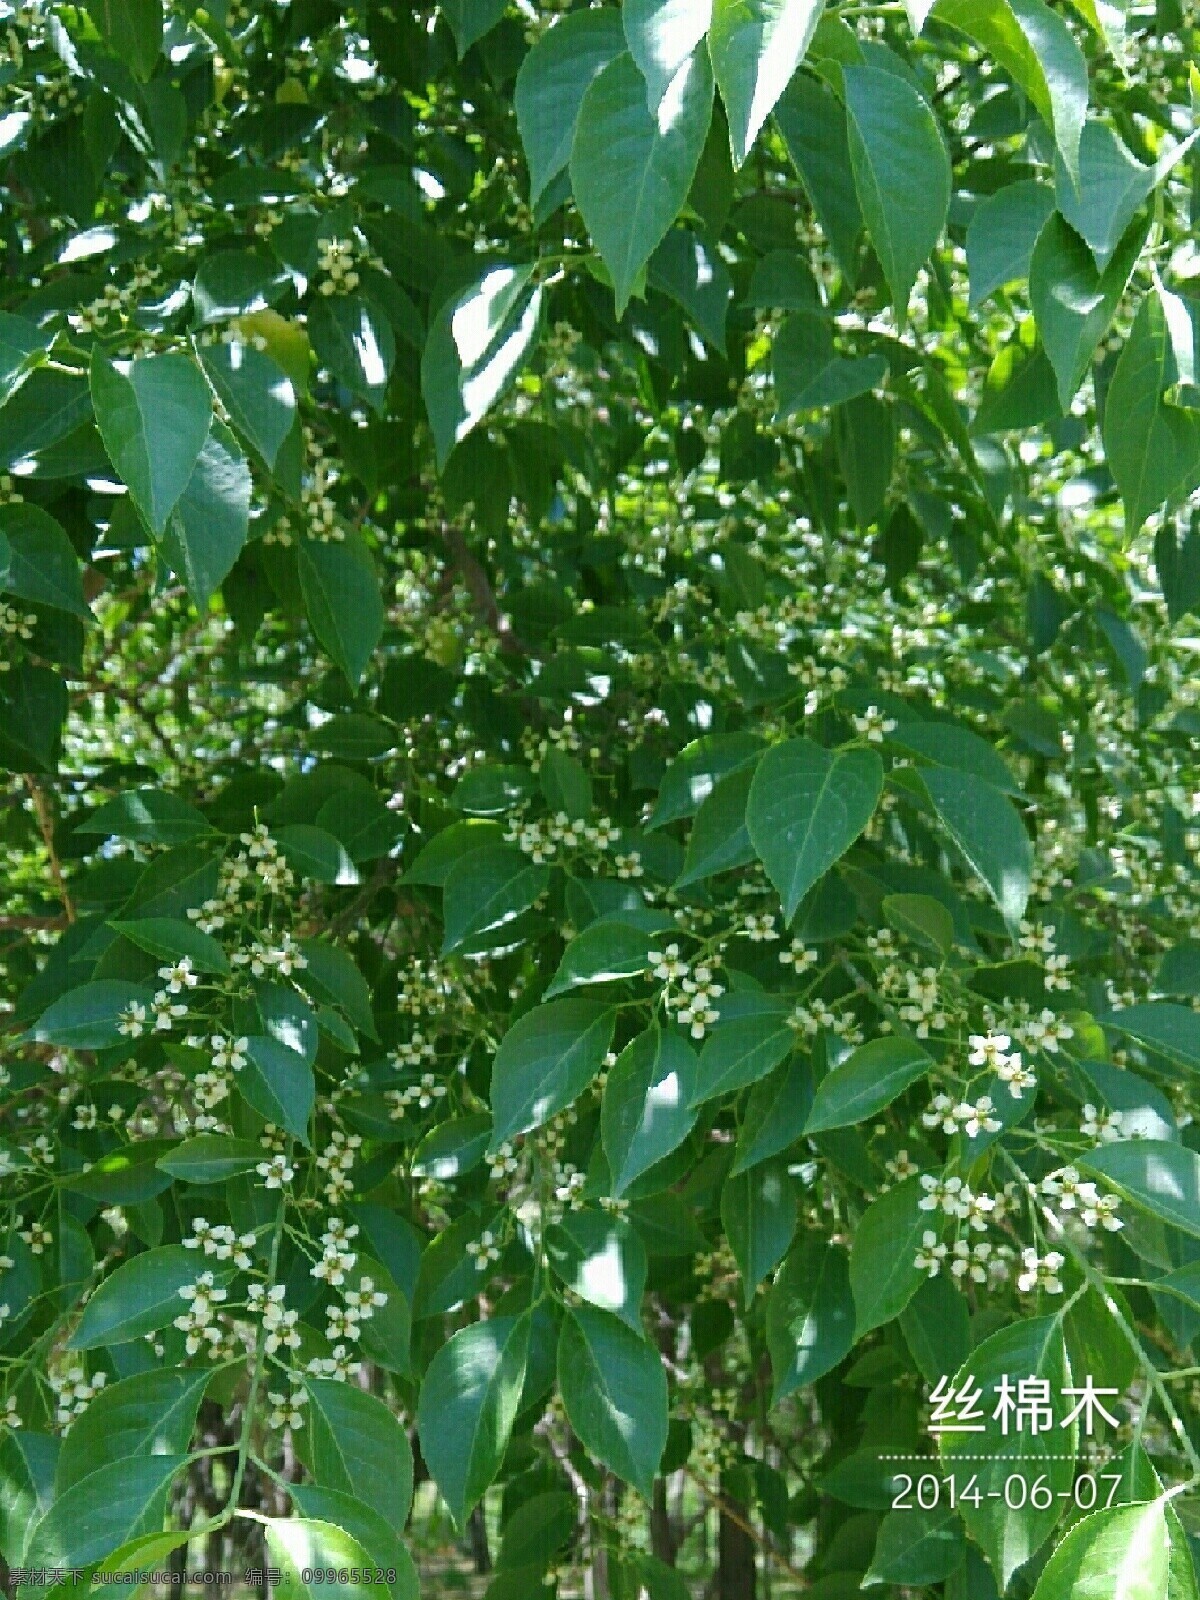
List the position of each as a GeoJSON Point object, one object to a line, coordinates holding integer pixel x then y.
{"type": "Point", "coordinates": [937, 1461]}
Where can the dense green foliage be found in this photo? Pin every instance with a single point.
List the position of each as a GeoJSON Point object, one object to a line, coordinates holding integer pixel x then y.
{"type": "Point", "coordinates": [600, 810]}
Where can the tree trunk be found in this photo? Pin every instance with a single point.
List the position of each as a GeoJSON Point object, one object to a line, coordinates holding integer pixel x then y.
{"type": "Point", "coordinates": [477, 1534]}
{"type": "Point", "coordinates": [737, 1576]}
{"type": "Point", "coordinates": [662, 1534]}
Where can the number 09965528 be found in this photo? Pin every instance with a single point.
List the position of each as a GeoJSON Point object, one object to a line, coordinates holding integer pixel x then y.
{"type": "Point", "coordinates": [926, 1492]}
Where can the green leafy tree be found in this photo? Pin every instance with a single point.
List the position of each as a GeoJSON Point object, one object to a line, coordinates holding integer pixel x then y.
{"type": "Point", "coordinates": [599, 718]}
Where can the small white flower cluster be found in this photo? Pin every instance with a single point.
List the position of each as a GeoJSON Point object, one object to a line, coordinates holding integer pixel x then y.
{"type": "Point", "coordinates": [219, 1240]}
{"type": "Point", "coordinates": [817, 1017]}
{"type": "Point", "coordinates": [16, 624]}
{"type": "Point", "coordinates": [921, 1004]}
{"type": "Point", "coordinates": [336, 1258]}
{"type": "Point", "coordinates": [339, 259]}
{"type": "Point", "coordinates": [285, 1410]}
{"type": "Point", "coordinates": [423, 990]}
{"type": "Point", "coordinates": [540, 838]}
{"type": "Point", "coordinates": [1040, 1272]}
{"type": "Point", "coordinates": [344, 1322]}
{"type": "Point", "coordinates": [503, 1162]}
{"type": "Point", "coordinates": [86, 1116]}
{"type": "Point", "coordinates": [981, 1261]}
{"type": "Point", "coordinates": [163, 1014]}
{"type": "Point", "coordinates": [697, 989]}
{"type": "Point", "coordinates": [199, 1322]}
{"type": "Point", "coordinates": [73, 1390]}
{"type": "Point", "coordinates": [337, 1159]}
{"type": "Point", "coordinates": [1080, 1197]}
{"type": "Point", "coordinates": [37, 1235]}
{"type": "Point", "coordinates": [413, 1052]}
{"type": "Point", "coordinates": [10, 1417]}
{"type": "Point", "coordinates": [992, 1050]}
{"type": "Point", "coordinates": [229, 1055]}
{"type": "Point", "coordinates": [874, 725]}
{"type": "Point", "coordinates": [484, 1250]}
{"type": "Point", "coordinates": [799, 957]}
{"type": "Point", "coordinates": [278, 1320]}
{"type": "Point", "coordinates": [1038, 939]}
{"type": "Point", "coordinates": [422, 1094]}
{"type": "Point", "coordinates": [276, 1171]}
{"type": "Point", "coordinates": [952, 1196]}
{"type": "Point", "coordinates": [969, 1117]}
{"type": "Point", "coordinates": [758, 927]}
{"type": "Point", "coordinates": [340, 1365]}
{"type": "Point", "coordinates": [285, 957]}
{"type": "Point", "coordinates": [1043, 1032]}
{"type": "Point", "coordinates": [1103, 1126]}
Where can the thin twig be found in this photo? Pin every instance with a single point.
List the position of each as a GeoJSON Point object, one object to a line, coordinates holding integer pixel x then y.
{"type": "Point", "coordinates": [46, 825]}
{"type": "Point", "coordinates": [480, 589]}
{"type": "Point", "coordinates": [735, 1516]}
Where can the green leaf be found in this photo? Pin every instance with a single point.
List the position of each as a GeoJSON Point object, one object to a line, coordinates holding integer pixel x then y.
{"type": "Point", "coordinates": [661, 35]}
{"type": "Point", "coordinates": [696, 771]}
{"type": "Point", "coordinates": [341, 596]}
{"type": "Point", "coordinates": [758, 1213]}
{"type": "Point", "coordinates": [602, 1260]}
{"type": "Point", "coordinates": [1037, 49]}
{"type": "Point", "coordinates": [154, 420]}
{"type": "Point", "coordinates": [808, 372]}
{"type": "Point", "coordinates": [565, 784]}
{"type": "Point", "coordinates": [305, 1551]}
{"type": "Point", "coordinates": [42, 565]}
{"type": "Point", "coordinates": [916, 1547]}
{"type": "Point", "coordinates": [936, 1325]}
{"type": "Point", "coordinates": [279, 1084]}
{"type": "Point", "coordinates": [986, 827]}
{"type": "Point", "coordinates": [603, 953]}
{"type": "Point", "coordinates": [1172, 1030]}
{"type": "Point", "coordinates": [810, 1315]}
{"type": "Point", "coordinates": [883, 1278]}
{"type": "Point", "coordinates": [127, 1175]}
{"type": "Point", "coordinates": [1073, 302]}
{"type": "Point", "coordinates": [453, 1148]}
{"type": "Point", "coordinates": [470, 20]}
{"type": "Point", "coordinates": [468, 1404]}
{"type": "Point", "coordinates": [480, 339]}
{"type": "Point", "coordinates": [27, 1463]}
{"type": "Point", "coordinates": [33, 708]}
{"type": "Point", "coordinates": [1009, 1537]}
{"type": "Point", "coordinates": [378, 1539]}
{"type": "Point", "coordinates": [741, 1051]}
{"type": "Point", "coordinates": [171, 938]}
{"type": "Point", "coordinates": [103, 1511]}
{"type": "Point", "coordinates": [255, 391]}
{"type": "Point", "coordinates": [921, 918]}
{"type": "Point", "coordinates": [901, 172]}
{"type": "Point", "coordinates": [646, 1111]}
{"type": "Point", "coordinates": [868, 1080]}
{"type": "Point", "coordinates": [687, 268]}
{"type": "Point", "coordinates": [806, 807]}
{"type": "Point", "coordinates": [211, 1158]}
{"type": "Point", "coordinates": [1019, 392]}
{"type": "Point", "coordinates": [756, 46]}
{"type": "Point", "coordinates": [86, 1018]}
{"type": "Point", "coordinates": [1159, 1176]}
{"type": "Point", "coordinates": [140, 1297]}
{"type": "Point", "coordinates": [1152, 447]}
{"type": "Point", "coordinates": [1126, 1553]}
{"type": "Point", "coordinates": [632, 168]}
{"type": "Point", "coordinates": [552, 82]}
{"type": "Point", "coordinates": [951, 746]}
{"type": "Point", "coordinates": [615, 1393]}
{"type": "Point", "coordinates": [486, 891]}
{"type": "Point", "coordinates": [814, 127]}
{"type": "Point", "coordinates": [545, 1061]}
{"type": "Point", "coordinates": [314, 853]}
{"type": "Point", "coordinates": [357, 1446]}
{"type": "Point", "coordinates": [776, 1112]}
{"type": "Point", "coordinates": [152, 1413]}
{"type": "Point", "coordinates": [353, 338]}
{"type": "Point", "coordinates": [22, 345]}
{"type": "Point", "coordinates": [132, 30]}
{"type": "Point", "coordinates": [332, 976]}
{"type": "Point", "coordinates": [719, 840]}
{"type": "Point", "coordinates": [149, 816]}
{"type": "Point", "coordinates": [1112, 185]}
{"type": "Point", "coordinates": [1003, 231]}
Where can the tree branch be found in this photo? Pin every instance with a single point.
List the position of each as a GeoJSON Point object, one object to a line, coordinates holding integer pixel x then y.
{"type": "Point", "coordinates": [480, 589]}
{"type": "Point", "coordinates": [46, 825]}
